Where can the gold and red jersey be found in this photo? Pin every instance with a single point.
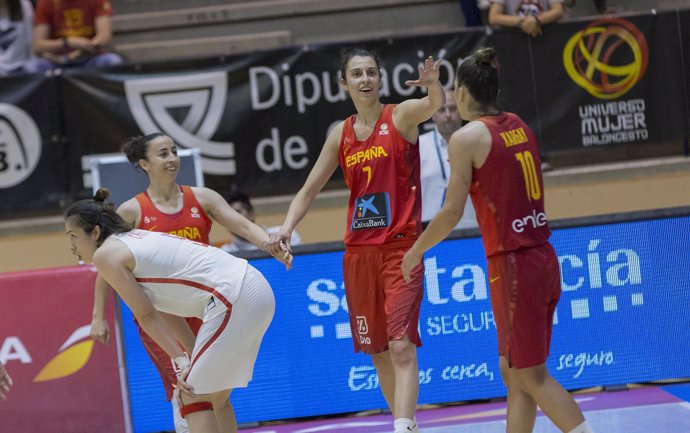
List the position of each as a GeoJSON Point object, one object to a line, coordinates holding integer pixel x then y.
{"type": "Point", "coordinates": [191, 222]}
{"type": "Point", "coordinates": [382, 173]}
{"type": "Point", "coordinates": [508, 190]}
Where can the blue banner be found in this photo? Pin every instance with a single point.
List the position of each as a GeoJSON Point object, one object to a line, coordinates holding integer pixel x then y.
{"type": "Point", "coordinates": [622, 318]}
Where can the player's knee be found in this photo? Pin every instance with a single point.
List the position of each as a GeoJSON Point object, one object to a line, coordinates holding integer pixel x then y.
{"type": "Point", "coordinates": [221, 401]}
{"type": "Point", "coordinates": [531, 379]}
{"type": "Point", "coordinates": [505, 371]}
{"type": "Point", "coordinates": [402, 351]}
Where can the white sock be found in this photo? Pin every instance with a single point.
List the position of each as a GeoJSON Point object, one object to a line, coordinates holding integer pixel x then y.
{"type": "Point", "coordinates": [180, 423]}
{"type": "Point", "coordinates": [405, 425]}
{"type": "Point", "coordinates": [582, 428]}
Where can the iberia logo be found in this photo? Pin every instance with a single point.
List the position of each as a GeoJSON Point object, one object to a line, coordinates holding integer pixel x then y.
{"type": "Point", "coordinates": [607, 58]}
{"type": "Point", "coordinates": [72, 356]}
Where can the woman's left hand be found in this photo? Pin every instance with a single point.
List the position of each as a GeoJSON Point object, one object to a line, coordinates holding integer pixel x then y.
{"type": "Point", "coordinates": [428, 73]}
{"type": "Point", "coordinates": [409, 262]}
{"type": "Point", "coordinates": [183, 386]}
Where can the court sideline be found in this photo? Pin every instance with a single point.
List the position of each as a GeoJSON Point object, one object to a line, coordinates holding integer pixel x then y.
{"type": "Point", "coordinates": [638, 409]}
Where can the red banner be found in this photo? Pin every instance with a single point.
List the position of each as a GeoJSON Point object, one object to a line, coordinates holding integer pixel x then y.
{"type": "Point", "coordinates": [63, 381]}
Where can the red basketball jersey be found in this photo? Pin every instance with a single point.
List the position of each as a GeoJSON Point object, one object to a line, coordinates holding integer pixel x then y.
{"type": "Point", "coordinates": [191, 222]}
{"type": "Point", "coordinates": [508, 191]}
{"type": "Point", "coordinates": [382, 173]}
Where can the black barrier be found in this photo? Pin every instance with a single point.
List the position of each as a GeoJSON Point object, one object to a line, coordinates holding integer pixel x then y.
{"type": "Point", "coordinates": [260, 118]}
{"type": "Point", "coordinates": [32, 161]}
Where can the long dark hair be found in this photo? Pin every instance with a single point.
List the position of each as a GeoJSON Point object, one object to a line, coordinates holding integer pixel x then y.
{"type": "Point", "coordinates": [136, 147]}
{"type": "Point", "coordinates": [89, 213]}
{"type": "Point", "coordinates": [479, 75]}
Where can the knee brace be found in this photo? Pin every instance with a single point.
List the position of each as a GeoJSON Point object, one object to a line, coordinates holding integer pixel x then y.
{"type": "Point", "coordinates": [199, 406]}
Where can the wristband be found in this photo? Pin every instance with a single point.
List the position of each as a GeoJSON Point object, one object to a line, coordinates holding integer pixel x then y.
{"type": "Point", "coordinates": [65, 43]}
{"type": "Point", "coordinates": [180, 363]}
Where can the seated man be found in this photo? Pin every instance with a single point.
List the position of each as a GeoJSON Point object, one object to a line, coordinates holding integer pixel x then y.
{"type": "Point", "coordinates": [241, 203]}
{"type": "Point", "coordinates": [69, 33]}
{"type": "Point", "coordinates": [15, 35]}
{"type": "Point", "coordinates": [527, 15]}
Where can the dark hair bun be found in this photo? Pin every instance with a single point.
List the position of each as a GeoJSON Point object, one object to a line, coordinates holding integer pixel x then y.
{"type": "Point", "coordinates": [101, 195]}
{"type": "Point", "coordinates": [486, 57]}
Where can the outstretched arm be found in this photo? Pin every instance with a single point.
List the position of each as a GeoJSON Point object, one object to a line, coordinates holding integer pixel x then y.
{"type": "Point", "coordinates": [219, 209]}
{"type": "Point", "coordinates": [411, 112]}
{"type": "Point", "coordinates": [462, 150]}
{"type": "Point", "coordinates": [322, 171]}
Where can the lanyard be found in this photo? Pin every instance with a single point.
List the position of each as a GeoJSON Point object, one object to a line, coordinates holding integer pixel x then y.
{"type": "Point", "coordinates": [437, 146]}
{"type": "Point", "coordinates": [438, 154]}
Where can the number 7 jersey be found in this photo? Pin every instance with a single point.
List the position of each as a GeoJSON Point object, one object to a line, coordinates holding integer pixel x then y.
{"type": "Point", "coordinates": [382, 173]}
{"type": "Point", "coordinates": [508, 190]}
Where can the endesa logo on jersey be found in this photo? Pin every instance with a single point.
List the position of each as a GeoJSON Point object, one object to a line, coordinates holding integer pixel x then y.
{"type": "Point", "coordinates": [535, 220]}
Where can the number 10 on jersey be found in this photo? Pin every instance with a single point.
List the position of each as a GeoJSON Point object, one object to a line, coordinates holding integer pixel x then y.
{"type": "Point", "coordinates": [529, 171]}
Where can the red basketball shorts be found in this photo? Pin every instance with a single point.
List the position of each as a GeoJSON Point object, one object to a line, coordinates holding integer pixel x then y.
{"type": "Point", "coordinates": [525, 286]}
{"type": "Point", "coordinates": [382, 305]}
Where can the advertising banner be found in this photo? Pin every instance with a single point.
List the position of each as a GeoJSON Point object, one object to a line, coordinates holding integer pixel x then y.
{"type": "Point", "coordinates": [63, 381]}
{"type": "Point", "coordinates": [625, 297]}
{"type": "Point", "coordinates": [612, 81]}
{"type": "Point", "coordinates": [32, 176]}
{"type": "Point", "coordinates": [259, 119]}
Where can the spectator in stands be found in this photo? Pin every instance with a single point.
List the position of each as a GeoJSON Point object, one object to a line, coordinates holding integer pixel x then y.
{"type": "Point", "coordinates": [72, 33]}
{"type": "Point", "coordinates": [470, 8]}
{"type": "Point", "coordinates": [16, 18]}
{"type": "Point", "coordinates": [434, 165]}
{"type": "Point", "coordinates": [527, 15]}
{"type": "Point", "coordinates": [241, 203]}
{"type": "Point", "coordinates": [601, 5]}
{"type": "Point", "coordinates": [5, 382]}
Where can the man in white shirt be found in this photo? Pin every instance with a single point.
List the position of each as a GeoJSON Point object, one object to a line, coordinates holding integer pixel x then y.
{"type": "Point", "coordinates": [435, 168]}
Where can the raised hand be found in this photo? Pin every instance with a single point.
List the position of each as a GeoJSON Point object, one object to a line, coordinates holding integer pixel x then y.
{"type": "Point", "coordinates": [428, 73]}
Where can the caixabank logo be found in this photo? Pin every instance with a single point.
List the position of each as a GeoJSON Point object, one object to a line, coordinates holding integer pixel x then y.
{"type": "Point", "coordinates": [607, 58]}
{"type": "Point", "coordinates": [201, 97]}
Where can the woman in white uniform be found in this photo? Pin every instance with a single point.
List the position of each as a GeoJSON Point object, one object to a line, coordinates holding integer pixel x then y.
{"type": "Point", "coordinates": [155, 272]}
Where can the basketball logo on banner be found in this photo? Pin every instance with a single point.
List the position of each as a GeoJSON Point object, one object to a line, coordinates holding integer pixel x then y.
{"type": "Point", "coordinates": [201, 97]}
{"type": "Point", "coordinates": [72, 356]}
{"type": "Point", "coordinates": [20, 145]}
{"type": "Point", "coordinates": [607, 58]}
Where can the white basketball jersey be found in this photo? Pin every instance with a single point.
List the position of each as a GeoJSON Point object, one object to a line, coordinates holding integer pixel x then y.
{"type": "Point", "coordinates": [182, 277]}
